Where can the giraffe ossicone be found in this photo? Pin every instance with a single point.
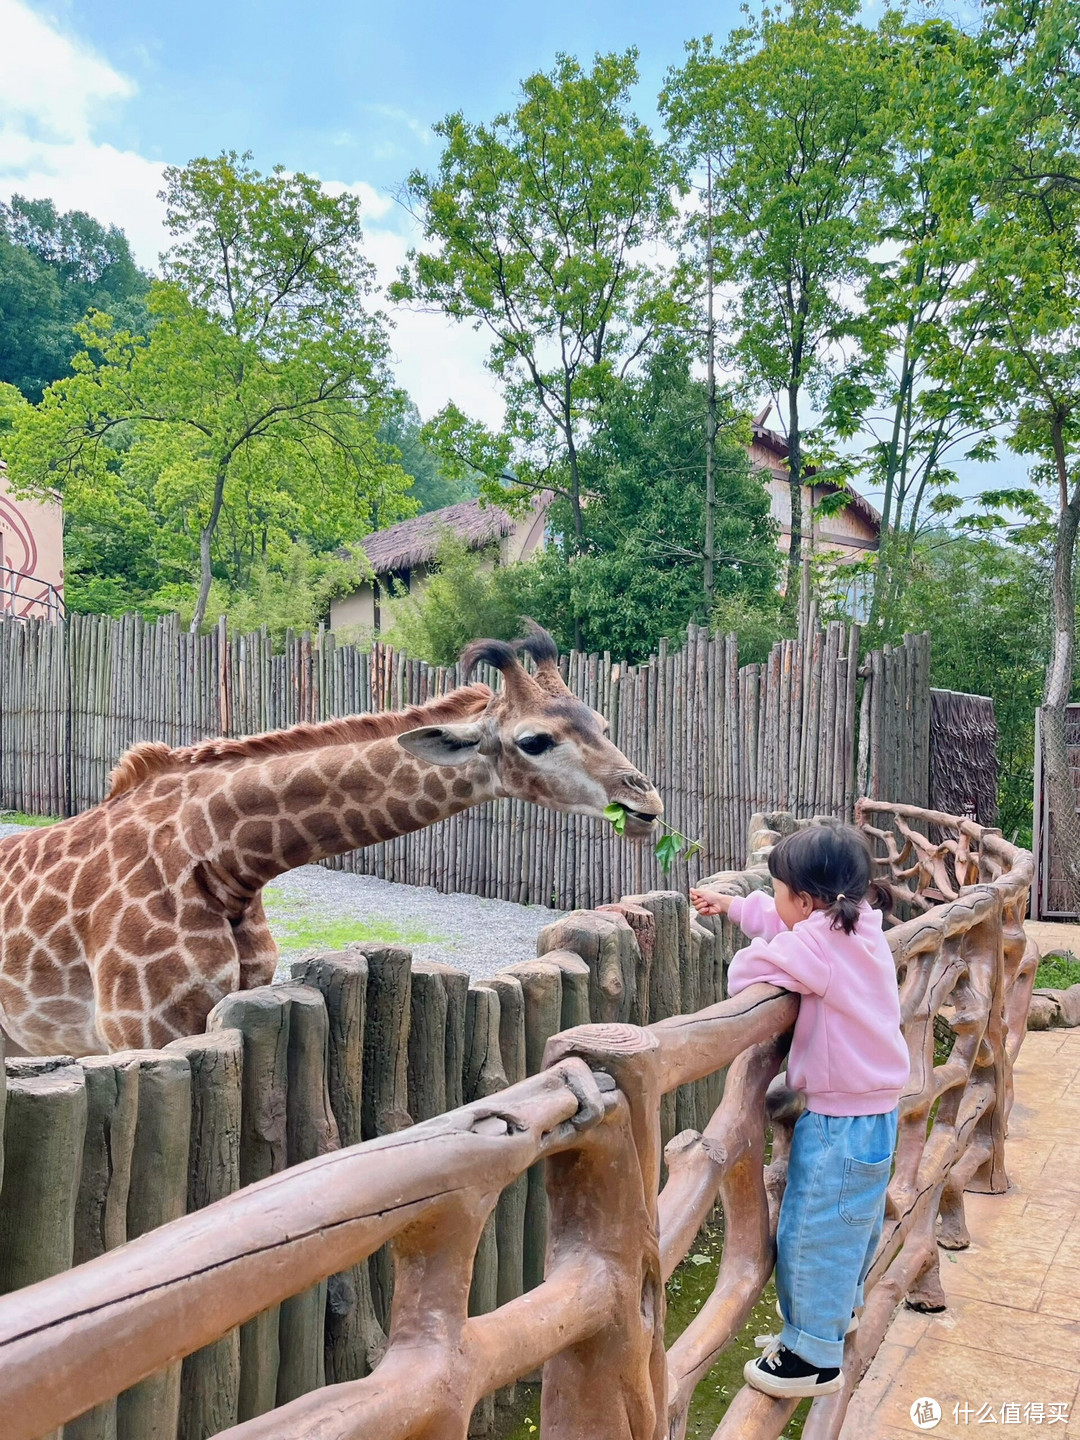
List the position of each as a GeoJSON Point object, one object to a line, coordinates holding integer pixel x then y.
{"type": "Point", "coordinates": [123, 927]}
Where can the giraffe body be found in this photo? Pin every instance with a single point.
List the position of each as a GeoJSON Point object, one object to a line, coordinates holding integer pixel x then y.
{"type": "Point", "coordinates": [123, 927]}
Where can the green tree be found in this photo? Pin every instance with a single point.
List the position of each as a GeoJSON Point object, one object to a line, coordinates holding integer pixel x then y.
{"type": "Point", "coordinates": [985, 602]}
{"type": "Point", "coordinates": [637, 572]}
{"type": "Point", "coordinates": [466, 596]}
{"type": "Point", "coordinates": [432, 488]}
{"type": "Point", "coordinates": [53, 269]}
{"type": "Point", "coordinates": [785, 116]}
{"type": "Point", "coordinates": [1016, 213]}
{"type": "Point", "coordinates": [536, 225]}
{"type": "Point", "coordinates": [913, 419]}
{"type": "Point", "coordinates": [247, 416]}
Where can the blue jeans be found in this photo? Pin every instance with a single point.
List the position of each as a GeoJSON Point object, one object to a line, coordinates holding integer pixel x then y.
{"type": "Point", "coordinates": [830, 1225]}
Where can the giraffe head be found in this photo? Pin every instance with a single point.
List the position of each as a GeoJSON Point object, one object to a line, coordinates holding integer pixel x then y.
{"type": "Point", "coordinates": [537, 741]}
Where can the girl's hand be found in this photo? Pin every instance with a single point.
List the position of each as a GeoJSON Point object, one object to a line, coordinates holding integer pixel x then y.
{"type": "Point", "coordinates": [710, 902]}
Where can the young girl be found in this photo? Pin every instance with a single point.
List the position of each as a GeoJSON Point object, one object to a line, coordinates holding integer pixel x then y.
{"type": "Point", "coordinates": [820, 938]}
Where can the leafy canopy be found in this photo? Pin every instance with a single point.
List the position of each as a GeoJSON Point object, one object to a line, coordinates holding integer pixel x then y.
{"type": "Point", "coordinates": [247, 417]}
{"type": "Point", "coordinates": [535, 225]}
{"type": "Point", "coordinates": [785, 116]}
{"type": "Point", "coordinates": [638, 573]}
{"type": "Point", "coordinates": [54, 268]}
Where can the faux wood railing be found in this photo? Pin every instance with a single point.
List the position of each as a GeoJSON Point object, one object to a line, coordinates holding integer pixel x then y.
{"type": "Point", "coordinates": [596, 1322]}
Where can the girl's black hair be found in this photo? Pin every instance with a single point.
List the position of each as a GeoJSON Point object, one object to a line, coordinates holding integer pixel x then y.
{"type": "Point", "coordinates": [831, 863]}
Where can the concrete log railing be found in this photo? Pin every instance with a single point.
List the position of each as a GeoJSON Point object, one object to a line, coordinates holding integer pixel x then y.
{"type": "Point", "coordinates": [596, 1116]}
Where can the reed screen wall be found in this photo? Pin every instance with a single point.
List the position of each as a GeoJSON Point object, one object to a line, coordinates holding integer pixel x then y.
{"type": "Point", "coordinates": [807, 730]}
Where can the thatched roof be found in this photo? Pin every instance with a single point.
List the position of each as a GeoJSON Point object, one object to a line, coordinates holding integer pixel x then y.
{"type": "Point", "coordinates": [414, 542]}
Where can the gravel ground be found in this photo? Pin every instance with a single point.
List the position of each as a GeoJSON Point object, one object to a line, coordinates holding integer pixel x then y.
{"type": "Point", "coordinates": [466, 931]}
{"type": "Point", "coordinates": [313, 908]}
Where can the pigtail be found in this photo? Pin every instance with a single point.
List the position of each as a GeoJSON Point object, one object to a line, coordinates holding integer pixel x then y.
{"type": "Point", "coordinates": [880, 896]}
{"type": "Point", "coordinates": [844, 914]}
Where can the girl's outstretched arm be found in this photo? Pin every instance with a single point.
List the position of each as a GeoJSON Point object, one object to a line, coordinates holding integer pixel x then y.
{"type": "Point", "coordinates": [785, 961]}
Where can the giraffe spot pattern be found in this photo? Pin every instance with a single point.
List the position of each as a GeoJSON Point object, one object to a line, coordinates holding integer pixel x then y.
{"type": "Point", "coordinates": [132, 907]}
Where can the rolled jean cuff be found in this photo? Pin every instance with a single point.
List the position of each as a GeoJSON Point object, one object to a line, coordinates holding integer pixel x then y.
{"type": "Point", "coordinates": [825, 1354]}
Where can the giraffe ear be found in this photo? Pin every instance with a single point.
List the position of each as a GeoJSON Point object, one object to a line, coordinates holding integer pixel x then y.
{"type": "Point", "coordinates": [443, 744]}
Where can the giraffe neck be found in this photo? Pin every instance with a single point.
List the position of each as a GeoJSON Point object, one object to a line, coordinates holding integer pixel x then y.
{"type": "Point", "coordinates": [293, 810]}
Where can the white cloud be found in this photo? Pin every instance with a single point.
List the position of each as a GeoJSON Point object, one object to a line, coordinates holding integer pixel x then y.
{"type": "Point", "coordinates": [54, 91]}
{"type": "Point", "coordinates": [437, 359]}
{"type": "Point", "coordinates": [49, 81]}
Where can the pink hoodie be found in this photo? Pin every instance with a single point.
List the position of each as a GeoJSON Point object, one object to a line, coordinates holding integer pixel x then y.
{"type": "Point", "coordinates": [847, 1050]}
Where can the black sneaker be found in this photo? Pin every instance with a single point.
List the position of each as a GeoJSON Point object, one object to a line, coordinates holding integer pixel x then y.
{"type": "Point", "coordinates": [782, 1373]}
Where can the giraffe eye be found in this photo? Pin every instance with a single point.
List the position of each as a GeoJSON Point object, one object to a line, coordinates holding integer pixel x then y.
{"type": "Point", "coordinates": [534, 744]}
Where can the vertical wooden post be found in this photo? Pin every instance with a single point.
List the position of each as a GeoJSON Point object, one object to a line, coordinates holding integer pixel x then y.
{"type": "Point", "coordinates": [541, 984]}
{"type": "Point", "coordinates": [670, 919]}
{"type": "Point", "coordinates": [606, 943]}
{"type": "Point", "coordinates": [354, 1338]}
{"type": "Point", "coordinates": [386, 1076]}
{"type": "Point", "coordinates": [484, 1075]}
{"type": "Point", "coordinates": [44, 1129]}
{"type": "Point", "coordinates": [310, 1130]}
{"type": "Point", "coordinates": [157, 1194]}
{"type": "Point", "coordinates": [429, 1018]}
{"type": "Point", "coordinates": [112, 1104]}
{"type": "Point", "coordinates": [603, 1203]}
{"type": "Point", "coordinates": [262, 1017]}
{"type": "Point", "coordinates": [210, 1378]}
{"type": "Point", "coordinates": [575, 987]}
{"type": "Point", "coordinates": [510, 1213]}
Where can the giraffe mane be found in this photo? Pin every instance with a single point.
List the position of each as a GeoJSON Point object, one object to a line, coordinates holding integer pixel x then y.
{"type": "Point", "coordinates": [153, 758]}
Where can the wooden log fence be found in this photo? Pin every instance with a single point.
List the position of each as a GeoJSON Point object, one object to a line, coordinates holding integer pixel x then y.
{"type": "Point", "coordinates": [806, 731]}
{"type": "Point", "coordinates": [527, 1229]}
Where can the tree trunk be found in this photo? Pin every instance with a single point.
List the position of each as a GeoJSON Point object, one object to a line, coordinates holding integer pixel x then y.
{"type": "Point", "coordinates": [206, 540]}
{"type": "Point", "coordinates": [710, 410]}
{"type": "Point", "coordinates": [575, 497]}
{"type": "Point", "coordinates": [795, 550]}
{"type": "Point", "coordinates": [1059, 674]}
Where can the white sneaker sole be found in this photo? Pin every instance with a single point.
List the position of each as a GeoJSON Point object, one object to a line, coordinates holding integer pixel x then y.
{"type": "Point", "coordinates": [789, 1389]}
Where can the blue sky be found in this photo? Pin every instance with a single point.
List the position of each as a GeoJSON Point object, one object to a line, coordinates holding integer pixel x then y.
{"type": "Point", "coordinates": [350, 90]}
{"type": "Point", "coordinates": [97, 96]}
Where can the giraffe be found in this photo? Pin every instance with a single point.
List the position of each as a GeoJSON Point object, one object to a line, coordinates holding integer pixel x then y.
{"type": "Point", "coordinates": [122, 927]}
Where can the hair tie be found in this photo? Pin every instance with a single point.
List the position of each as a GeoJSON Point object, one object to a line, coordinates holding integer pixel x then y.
{"type": "Point", "coordinates": [841, 896]}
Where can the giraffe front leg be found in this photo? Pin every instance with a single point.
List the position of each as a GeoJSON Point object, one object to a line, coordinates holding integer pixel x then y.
{"type": "Point", "coordinates": [256, 946]}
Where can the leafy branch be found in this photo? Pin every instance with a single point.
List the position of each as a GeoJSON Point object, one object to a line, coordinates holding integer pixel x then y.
{"type": "Point", "coordinates": [670, 845]}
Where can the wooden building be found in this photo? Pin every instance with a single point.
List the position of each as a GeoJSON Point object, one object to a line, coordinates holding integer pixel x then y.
{"type": "Point", "coordinates": [401, 556]}
{"type": "Point", "coordinates": [847, 535]}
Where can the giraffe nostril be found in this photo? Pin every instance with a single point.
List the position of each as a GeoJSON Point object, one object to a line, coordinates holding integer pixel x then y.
{"type": "Point", "coordinates": [636, 781]}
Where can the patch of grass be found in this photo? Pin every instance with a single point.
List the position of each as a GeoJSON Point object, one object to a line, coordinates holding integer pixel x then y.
{"type": "Point", "coordinates": [310, 931]}
{"type": "Point", "coordinates": [1058, 971]}
{"type": "Point", "coordinates": [19, 817]}
{"type": "Point", "coordinates": [687, 1291]}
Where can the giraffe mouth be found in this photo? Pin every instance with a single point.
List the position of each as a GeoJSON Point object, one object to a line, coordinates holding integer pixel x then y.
{"type": "Point", "coordinates": [639, 823]}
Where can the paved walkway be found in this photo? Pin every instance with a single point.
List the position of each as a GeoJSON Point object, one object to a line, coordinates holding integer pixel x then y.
{"type": "Point", "coordinates": [1011, 1334]}
{"type": "Point", "coordinates": [1049, 935]}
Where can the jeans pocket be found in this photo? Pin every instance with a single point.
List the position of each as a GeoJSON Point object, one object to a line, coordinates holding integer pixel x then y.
{"type": "Point", "coordinates": [863, 1188]}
